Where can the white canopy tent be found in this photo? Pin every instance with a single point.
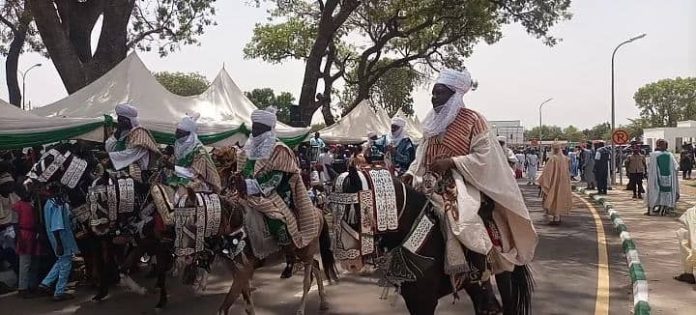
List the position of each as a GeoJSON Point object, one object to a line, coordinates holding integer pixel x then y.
{"type": "Point", "coordinates": [225, 111]}
{"type": "Point", "coordinates": [354, 126]}
{"type": "Point", "coordinates": [20, 129]}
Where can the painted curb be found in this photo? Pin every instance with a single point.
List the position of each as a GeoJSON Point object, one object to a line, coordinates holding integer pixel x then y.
{"type": "Point", "coordinates": [639, 280]}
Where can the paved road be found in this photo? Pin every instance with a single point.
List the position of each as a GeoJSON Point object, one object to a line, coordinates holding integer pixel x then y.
{"type": "Point", "coordinates": [565, 268]}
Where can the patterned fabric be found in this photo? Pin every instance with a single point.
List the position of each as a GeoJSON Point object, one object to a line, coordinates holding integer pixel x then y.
{"type": "Point", "coordinates": [304, 220]}
{"type": "Point", "coordinates": [385, 200]}
{"type": "Point", "coordinates": [107, 202]}
{"type": "Point", "coordinates": [141, 137]}
{"type": "Point", "coordinates": [163, 197]}
{"type": "Point", "coordinates": [194, 224]}
{"type": "Point", "coordinates": [205, 168]}
{"type": "Point", "coordinates": [456, 140]}
{"type": "Point", "coordinates": [74, 172]}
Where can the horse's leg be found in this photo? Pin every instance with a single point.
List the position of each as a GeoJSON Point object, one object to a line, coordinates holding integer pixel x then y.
{"type": "Point", "coordinates": [323, 304]}
{"type": "Point", "coordinates": [133, 256]}
{"type": "Point", "coordinates": [483, 297]}
{"type": "Point", "coordinates": [241, 280]}
{"type": "Point", "coordinates": [421, 296]}
{"type": "Point", "coordinates": [164, 263]}
{"type": "Point", "coordinates": [101, 256]}
{"type": "Point", "coordinates": [306, 285]}
{"type": "Point", "coordinates": [246, 295]}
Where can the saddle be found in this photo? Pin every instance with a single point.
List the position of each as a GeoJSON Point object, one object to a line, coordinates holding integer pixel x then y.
{"type": "Point", "coordinates": [378, 212]}
{"type": "Point", "coordinates": [113, 203]}
{"type": "Point", "coordinates": [194, 223]}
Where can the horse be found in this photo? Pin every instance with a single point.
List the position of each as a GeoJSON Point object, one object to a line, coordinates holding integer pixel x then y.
{"type": "Point", "coordinates": [242, 258]}
{"type": "Point", "coordinates": [70, 167]}
{"type": "Point", "coordinates": [411, 257]}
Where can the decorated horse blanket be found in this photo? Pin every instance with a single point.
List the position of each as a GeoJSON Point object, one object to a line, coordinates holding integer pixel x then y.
{"type": "Point", "coordinates": [194, 223]}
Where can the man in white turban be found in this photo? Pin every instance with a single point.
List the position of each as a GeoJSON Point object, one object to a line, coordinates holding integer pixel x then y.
{"type": "Point", "coordinates": [272, 184]}
{"type": "Point", "coordinates": [192, 163]}
{"type": "Point", "coordinates": [461, 167]}
{"type": "Point", "coordinates": [130, 144]}
{"type": "Point", "coordinates": [401, 148]}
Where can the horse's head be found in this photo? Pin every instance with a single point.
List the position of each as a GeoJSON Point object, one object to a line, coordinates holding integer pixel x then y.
{"type": "Point", "coordinates": [356, 239]}
{"type": "Point", "coordinates": [65, 170]}
{"type": "Point", "coordinates": [229, 241]}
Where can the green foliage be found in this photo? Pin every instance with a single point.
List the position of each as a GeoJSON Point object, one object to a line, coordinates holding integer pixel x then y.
{"type": "Point", "coordinates": [667, 101]}
{"type": "Point", "coordinates": [395, 34]}
{"type": "Point", "coordinates": [547, 133]}
{"type": "Point", "coordinates": [266, 97]}
{"type": "Point", "coordinates": [598, 132]}
{"type": "Point", "coordinates": [572, 133]}
{"type": "Point", "coordinates": [183, 84]}
{"type": "Point", "coordinates": [16, 18]}
{"type": "Point", "coordinates": [392, 91]}
{"type": "Point", "coordinates": [167, 24]}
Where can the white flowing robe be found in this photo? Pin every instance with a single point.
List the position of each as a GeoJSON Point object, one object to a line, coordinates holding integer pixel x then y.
{"type": "Point", "coordinates": [532, 165]}
{"type": "Point", "coordinates": [655, 196]}
{"type": "Point", "coordinates": [687, 240]}
{"type": "Point", "coordinates": [486, 170]}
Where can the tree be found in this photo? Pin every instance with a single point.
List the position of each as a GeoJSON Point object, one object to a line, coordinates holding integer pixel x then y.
{"type": "Point", "coordinates": [183, 84]}
{"type": "Point", "coordinates": [66, 27]}
{"type": "Point", "coordinates": [265, 97]}
{"type": "Point", "coordinates": [667, 101]}
{"type": "Point", "coordinates": [406, 33]}
{"type": "Point", "coordinates": [16, 29]}
{"type": "Point", "coordinates": [573, 134]}
{"type": "Point", "coordinates": [598, 132]}
{"type": "Point", "coordinates": [547, 133]}
{"type": "Point", "coordinates": [393, 91]}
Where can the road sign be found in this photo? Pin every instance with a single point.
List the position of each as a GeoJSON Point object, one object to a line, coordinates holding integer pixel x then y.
{"type": "Point", "coordinates": [619, 136]}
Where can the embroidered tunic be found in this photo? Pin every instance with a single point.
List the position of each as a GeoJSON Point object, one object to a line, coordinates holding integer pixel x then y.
{"type": "Point", "coordinates": [199, 163]}
{"type": "Point", "coordinates": [137, 146]}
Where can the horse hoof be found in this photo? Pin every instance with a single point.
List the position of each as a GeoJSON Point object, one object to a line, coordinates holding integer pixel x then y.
{"type": "Point", "coordinates": [300, 312]}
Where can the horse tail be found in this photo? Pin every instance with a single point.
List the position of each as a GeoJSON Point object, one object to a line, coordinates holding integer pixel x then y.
{"type": "Point", "coordinates": [522, 285]}
{"type": "Point", "coordinates": [327, 258]}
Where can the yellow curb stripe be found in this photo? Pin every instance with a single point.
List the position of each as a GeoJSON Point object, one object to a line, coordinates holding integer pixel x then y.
{"type": "Point", "coordinates": [602, 302]}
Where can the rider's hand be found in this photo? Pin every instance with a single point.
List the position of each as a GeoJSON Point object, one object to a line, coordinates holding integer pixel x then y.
{"type": "Point", "coordinates": [407, 179]}
{"type": "Point", "coordinates": [441, 166]}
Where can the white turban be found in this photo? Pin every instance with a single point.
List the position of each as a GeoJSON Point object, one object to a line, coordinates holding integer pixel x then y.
{"type": "Point", "coordinates": [128, 111]}
{"type": "Point", "coordinates": [265, 116]}
{"type": "Point", "coordinates": [396, 136]}
{"type": "Point", "coordinates": [436, 122]}
{"type": "Point", "coordinates": [188, 123]}
{"type": "Point", "coordinates": [398, 121]}
{"type": "Point", "coordinates": [458, 81]}
{"type": "Point", "coordinates": [184, 146]}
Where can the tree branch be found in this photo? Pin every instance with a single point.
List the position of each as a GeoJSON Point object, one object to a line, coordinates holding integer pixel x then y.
{"type": "Point", "coordinates": [9, 24]}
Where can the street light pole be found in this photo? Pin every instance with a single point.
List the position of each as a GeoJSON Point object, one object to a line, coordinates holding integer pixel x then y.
{"type": "Point", "coordinates": [613, 111]}
{"type": "Point", "coordinates": [24, 86]}
{"type": "Point", "coordinates": [540, 106]}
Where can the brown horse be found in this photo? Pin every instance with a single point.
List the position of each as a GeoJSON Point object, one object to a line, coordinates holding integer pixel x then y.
{"type": "Point", "coordinates": [240, 257]}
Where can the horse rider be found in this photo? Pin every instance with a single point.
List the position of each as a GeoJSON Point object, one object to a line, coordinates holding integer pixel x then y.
{"type": "Point", "coordinates": [465, 172]}
{"type": "Point", "coordinates": [376, 148]}
{"type": "Point", "coordinates": [271, 183]}
{"type": "Point", "coordinates": [131, 146]}
{"type": "Point", "coordinates": [401, 148]}
{"type": "Point", "coordinates": [193, 166]}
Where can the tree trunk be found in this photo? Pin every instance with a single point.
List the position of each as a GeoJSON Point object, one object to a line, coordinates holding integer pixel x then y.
{"type": "Point", "coordinates": [11, 67]}
{"type": "Point", "coordinates": [68, 40]}
{"type": "Point", "coordinates": [57, 42]}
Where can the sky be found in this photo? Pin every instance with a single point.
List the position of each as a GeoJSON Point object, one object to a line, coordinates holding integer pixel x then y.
{"type": "Point", "coordinates": [515, 74]}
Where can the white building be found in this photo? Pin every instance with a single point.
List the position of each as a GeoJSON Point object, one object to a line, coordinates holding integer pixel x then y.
{"type": "Point", "coordinates": [511, 129]}
{"type": "Point", "coordinates": [684, 132]}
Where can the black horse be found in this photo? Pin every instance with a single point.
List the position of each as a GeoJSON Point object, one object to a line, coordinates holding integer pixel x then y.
{"type": "Point", "coordinates": [105, 256]}
{"type": "Point", "coordinates": [431, 283]}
